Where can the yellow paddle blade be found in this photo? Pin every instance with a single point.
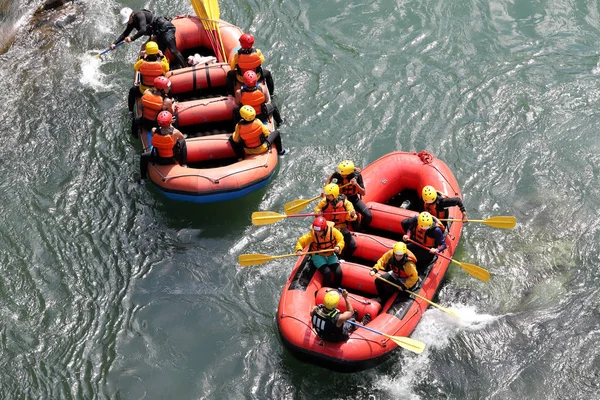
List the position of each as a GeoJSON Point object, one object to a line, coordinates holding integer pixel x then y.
{"type": "Point", "coordinates": [212, 8]}
{"type": "Point", "coordinates": [413, 345]}
{"type": "Point", "coordinates": [474, 270]}
{"type": "Point", "coordinates": [500, 221]}
{"type": "Point", "coordinates": [266, 217]}
{"type": "Point", "coordinates": [254, 259]}
{"type": "Point", "coordinates": [295, 206]}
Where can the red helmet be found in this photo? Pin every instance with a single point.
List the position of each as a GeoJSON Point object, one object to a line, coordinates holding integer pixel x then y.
{"type": "Point", "coordinates": [246, 40]}
{"type": "Point", "coordinates": [164, 118]}
{"type": "Point", "coordinates": [160, 82]}
{"type": "Point", "coordinates": [250, 78]}
{"type": "Point", "coordinates": [319, 224]}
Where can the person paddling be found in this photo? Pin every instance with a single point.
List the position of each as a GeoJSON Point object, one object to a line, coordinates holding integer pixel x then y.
{"type": "Point", "coordinates": [148, 24]}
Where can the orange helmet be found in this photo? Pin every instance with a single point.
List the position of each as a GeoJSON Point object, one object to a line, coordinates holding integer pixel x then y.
{"type": "Point", "coordinates": [319, 224]}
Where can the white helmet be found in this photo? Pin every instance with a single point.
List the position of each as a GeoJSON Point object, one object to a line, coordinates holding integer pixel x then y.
{"type": "Point", "coordinates": [125, 14]}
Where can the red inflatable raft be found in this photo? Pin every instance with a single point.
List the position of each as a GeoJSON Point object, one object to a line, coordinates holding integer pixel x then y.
{"type": "Point", "coordinates": [388, 181]}
{"type": "Point", "coordinates": [213, 171]}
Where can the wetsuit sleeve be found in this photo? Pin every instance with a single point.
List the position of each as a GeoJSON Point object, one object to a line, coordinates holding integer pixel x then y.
{"type": "Point", "coordinates": [359, 181]}
{"type": "Point", "coordinates": [451, 202]}
{"type": "Point", "coordinates": [339, 239]}
{"type": "Point", "coordinates": [439, 239]}
{"type": "Point", "coordinates": [304, 241]}
{"type": "Point", "coordinates": [410, 269]}
{"type": "Point", "coordinates": [380, 265]}
{"type": "Point", "coordinates": [407, 224]}
{"type": "Point", "coordinates": [126, 32]}
{"type": "Point", "coordinates": [143, 27]}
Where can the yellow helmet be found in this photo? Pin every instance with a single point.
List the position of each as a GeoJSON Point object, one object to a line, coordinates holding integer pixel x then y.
{"type": "Point", "coordinates": [428, 194]}
{"type": "Point", "coordinates": [332, 189]}
{"type": "Point", "coordinates": [400, 248]}
{"type": "Point", "coordinates": [331, 300]}
{"type": "Point", "coordinates": [248, 113]}
{"type": "Point", "coordinates": [425, 220]}
{"type": "Point", "coordinates": [151, 48]}
{"type": "Point", "coordinates": [346, 167]}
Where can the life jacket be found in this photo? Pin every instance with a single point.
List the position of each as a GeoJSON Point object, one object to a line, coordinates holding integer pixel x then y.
{"type": "Point", "coordinates": [248, 60]}
{"type": "Point", "coordinates": [426, 236]}
{"type": "Point", "coordinates": [253, 97]}
{"type": "Point", "coordinates": [150, 70]}
{"type": "Point", "coordinates": [433, 209]}
{"type": "Point", "coordinates": [152, 103]}
{"type": "Point", "coordinates": [163, 144]}
{"type": "Point", "coordinates": [397, 266]}
{"type": "Point", "coordinates": [337, 205]}
{"type": "Point", "coordinates": [251, 133]}
{"type": "Point", "coordinates": [327, 241]}
{"type": "Point", "coordinates": [350, 190]}
{"type": "Point", "coordinates": [324, 322]}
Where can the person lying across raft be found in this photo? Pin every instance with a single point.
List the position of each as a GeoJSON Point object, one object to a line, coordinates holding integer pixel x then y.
{"type": "Point", "coordinates": [400, 268]}
{"type": "Point", "coordinates": [251, 135]}
{"type": "Point", "coordinates": [427, 231]}
{"type": "Point", "coordinates": [168, 145]}
{"type": "Point", "coordinates": [437, 204]}
{"type": "Point", "coordinates": [322, 236]}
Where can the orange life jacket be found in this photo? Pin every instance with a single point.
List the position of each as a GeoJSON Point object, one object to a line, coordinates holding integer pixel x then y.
{"type": "Point", "coordinates": [248, 61]}
{"type": "Point", "coordinates": [327, 241]}
{"type": "Point", "coordinates": [432, 209]}
{"type": "Point", "coordinates": [164, 144]}
{"type": "Point", "coordinates": [421, 236]}
{"type": "Point", "coordinates": [349, 190]}
{"type": "Point", "coordinates": [338, 205]}
{"type": "Point", "coordinates": [253, 97]}
{"type": "Point", "coordinates": [150, 70]}
{"type": "Point", "coordinates": [251, 133]}
{"type": "Point", "coordinates": [152, 103]}
{"type": "Point", "coordinates": [397, 266]}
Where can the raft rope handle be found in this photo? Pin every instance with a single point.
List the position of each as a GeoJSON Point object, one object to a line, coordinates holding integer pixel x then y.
{"type": "Point", "coordinates": [215, 181]}
{"type": "Point", "coordinates": [197, 67]}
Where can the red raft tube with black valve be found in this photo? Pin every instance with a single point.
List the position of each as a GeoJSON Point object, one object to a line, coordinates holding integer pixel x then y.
{"type": "Point", "coordinates": [204, 113]}
{"type": "Point", "coordinates": [389, 181]}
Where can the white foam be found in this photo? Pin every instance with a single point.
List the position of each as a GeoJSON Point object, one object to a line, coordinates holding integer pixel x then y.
{"type": "Point", "coordinates": [91, 75]}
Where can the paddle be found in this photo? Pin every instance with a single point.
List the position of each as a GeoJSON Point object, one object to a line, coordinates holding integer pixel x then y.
{"type": "Point", "coordinates": [476, 271]}
{"type": "Point", "coordinates": [419, 297]}
{"type": "Point", "coordinates": [214, 13]}
{"type": "Point", "coordinates": [208, 12]}
{"type": "Point", "coordinates": [500, 221]}
{"type": "Point", "coordinates": [296, 206]}
{"type": "Point", "coordinates": [109, 49]}
{"type": "Point", "coordinates": [404, 342]}
{"type": "Point", "coordinates": [270, 217]}
{"type": "Point", "coordinates": [254, 259]}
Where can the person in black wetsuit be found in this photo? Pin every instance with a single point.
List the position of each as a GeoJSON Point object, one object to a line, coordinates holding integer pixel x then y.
{"type": "Point", "coordinates": [148, 24]}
